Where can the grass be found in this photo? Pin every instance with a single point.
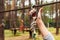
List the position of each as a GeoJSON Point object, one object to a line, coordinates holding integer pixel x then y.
{"type": "Point", "coordinates": [9, 34]}
{"type": "Point", "coordinates": [53, 31]}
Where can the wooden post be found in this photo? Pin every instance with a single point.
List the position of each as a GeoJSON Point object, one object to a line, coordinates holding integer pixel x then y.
{"type": "Point", "coordinates": [13, 14]}
{"type": "Point", "coordinates": [37, 3]}
{"type": "Point", "coordinates": [30, 32]}
{"type": "Point", "coordinates": [29, 10]}
{"type": "Point", "coordinates": [57, 28]}
{"type": "Point", "coordinates": [22, 6]}
{"type": "Point", "coordinates": [23, 11]}
{"type": "Point", "coordinates": [1, 17]}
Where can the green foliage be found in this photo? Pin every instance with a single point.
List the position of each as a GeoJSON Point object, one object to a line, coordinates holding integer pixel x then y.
{"type": "Point", "coordinates": [46, 19]}
{"type": "Point", "coordinates": [17, 23]}
{"type": "Point", "coordinates": [47, 8]}
{"type": "Point", "coordinates": [26, 20]}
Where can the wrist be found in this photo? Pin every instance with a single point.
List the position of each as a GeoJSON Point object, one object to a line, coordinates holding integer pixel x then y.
{"type": "Point", "coordinates": [39, 21]}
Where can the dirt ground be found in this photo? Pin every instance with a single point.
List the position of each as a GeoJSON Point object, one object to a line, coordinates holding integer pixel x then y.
{"type": "Point", "coordinates": [26, 37]}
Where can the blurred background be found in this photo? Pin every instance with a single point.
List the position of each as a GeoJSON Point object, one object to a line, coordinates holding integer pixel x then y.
{"type": "Point", "coordinates": [15, 17]}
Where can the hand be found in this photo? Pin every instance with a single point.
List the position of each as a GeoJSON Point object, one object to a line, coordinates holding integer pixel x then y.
{"type": "Point", "coordinates": [39, 13]}
{"type": "Point", "coordinates": [39, 19]}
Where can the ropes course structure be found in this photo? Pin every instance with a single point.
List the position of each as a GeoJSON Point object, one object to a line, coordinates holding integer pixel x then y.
{"type": "Point", "coordinates": [2, 11]}
{"type": "Point", "coordinates": [36, 6]}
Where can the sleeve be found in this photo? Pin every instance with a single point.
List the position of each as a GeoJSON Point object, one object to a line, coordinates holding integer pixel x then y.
{"type": "Point", "coordinates": [49, 37]}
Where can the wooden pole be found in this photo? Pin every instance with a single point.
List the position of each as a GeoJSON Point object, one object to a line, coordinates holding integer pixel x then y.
{"type": "Point", "coordinates": [1, 17]}
{"type": "Point", "coordinates": [30, 7]}
{"type": "Point", "coordinates": [23, 11]}
{"type": "Point", "coordinates": [22, 6]}
{"type": "Point", "coordinates": [13, 14]}
{"type": "Point", "coordinates": [37, 3]}
{"type": "Point", "coordinates": [57, 28]}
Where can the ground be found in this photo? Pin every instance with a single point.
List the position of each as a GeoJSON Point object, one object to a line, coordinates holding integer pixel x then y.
{"type": "Point", "coordinates": [18, 38]}
{"type": "Point", "coordinates": [25, 36]}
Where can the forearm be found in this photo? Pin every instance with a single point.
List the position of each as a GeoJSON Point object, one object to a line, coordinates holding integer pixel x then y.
{"type": "Point", "coordinates": [45, 33]}
{"type": "Point", "coordinates": [42, 28]}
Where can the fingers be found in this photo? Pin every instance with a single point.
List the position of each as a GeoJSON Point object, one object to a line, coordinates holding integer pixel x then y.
{"type": "Point", "coordinates": [40, 12]}
{"type": "Point", "coordinates": [41, 9]}
{"type": "Point", "coordinates": [39, 16]}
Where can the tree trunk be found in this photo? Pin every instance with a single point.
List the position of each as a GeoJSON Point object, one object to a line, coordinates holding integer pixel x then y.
{"type": "Point", "coordinates": [37, 3]}
{"type": "Point", "coordinates": [13, 13]}
{"type": "Point", "coordinates": [1, 17]}
{"type": "Point", "coordinates": [23, 11]}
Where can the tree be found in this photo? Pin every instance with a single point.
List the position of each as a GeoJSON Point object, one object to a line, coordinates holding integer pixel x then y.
{"type": "Point", "coordinates": [1, 18]}
{"type": "Point", "coordinates": [46, 10]}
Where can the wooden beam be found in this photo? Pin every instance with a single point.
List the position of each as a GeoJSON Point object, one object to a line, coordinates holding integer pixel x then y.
{"type": "Point", "coordinates": [30, 7]}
